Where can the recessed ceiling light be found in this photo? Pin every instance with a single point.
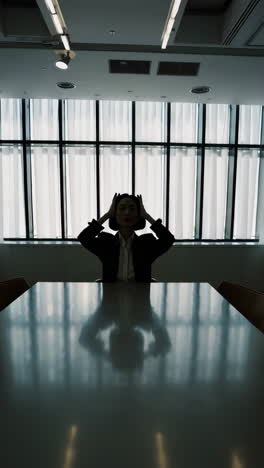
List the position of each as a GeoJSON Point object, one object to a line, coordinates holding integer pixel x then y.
{"type": "Point", "coordinates": [112, 32]}
{"type": "Point", "coordinates": [200, 90]}
{"type": "Point", "coordinates": [66, 85]}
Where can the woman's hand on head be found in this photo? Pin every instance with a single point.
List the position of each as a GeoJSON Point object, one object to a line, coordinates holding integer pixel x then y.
{"type": "Point", "coordinates": [111, 210]}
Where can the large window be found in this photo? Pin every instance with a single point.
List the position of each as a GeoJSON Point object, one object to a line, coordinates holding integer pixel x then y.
{"type": "Point", "coordinates": [196, 166]}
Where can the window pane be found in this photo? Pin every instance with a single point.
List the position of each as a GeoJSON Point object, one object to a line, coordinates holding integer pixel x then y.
{"type": "Point", "coordinates": [115, 175]}
{"type": "Point", "coordinates": [183, 170]}
{"type": "Point", "coordinates": [246, 193]}
{"type": "Point", "coordinates": [13, 191]}
{"type": "Point", "coordinates": [115, 120]}
{"type": "Point", "coordinates": [46, 191]}
{"type": "Point", "coordinates": [184, 122]}
{"type": "Point", "coordinates": [10, 119]}
{"type": "Point", "coordinates": [215, 193]}
{"type": "Point", "coordinates": [217, 123]}
{"type": "Point", "coordinates": [81, 188]}
{"type": "Point", "coordinates": [249, 125]}
{"type": "Point", "coordinates": [80, 120]}
{"type": "Point", "coordinates": [150, 165]}
{"type": "Point", "coordinates": [151, 121]}
{"type": "Point", "coordinates": [44, 124]}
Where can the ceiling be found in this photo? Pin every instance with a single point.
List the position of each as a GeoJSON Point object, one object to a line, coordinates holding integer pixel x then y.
{"type": "Point", "coordinates": [226, 37]}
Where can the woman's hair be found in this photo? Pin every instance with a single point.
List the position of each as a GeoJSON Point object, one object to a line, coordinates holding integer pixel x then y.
{"type": "Point", "coordinates": [141, 222]}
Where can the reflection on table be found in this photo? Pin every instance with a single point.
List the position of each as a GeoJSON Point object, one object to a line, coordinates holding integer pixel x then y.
{"type": "Point", "coordinates": [158, 375]}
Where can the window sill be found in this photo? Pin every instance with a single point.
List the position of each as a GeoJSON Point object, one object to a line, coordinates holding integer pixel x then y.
{"type": "Point", "coordinates": [176, 244]}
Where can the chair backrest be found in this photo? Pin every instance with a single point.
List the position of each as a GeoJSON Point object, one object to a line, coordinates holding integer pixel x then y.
{"type": "Point", "coordinates": [11, 289]}
{"type": "Point", "coordinates": [248, 302]}
{"type": "Point", "coordinates": [99, 280]}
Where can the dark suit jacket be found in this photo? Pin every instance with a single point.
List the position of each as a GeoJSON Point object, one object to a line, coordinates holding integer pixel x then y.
{"type": "Point", "coordinates": [145, 249]}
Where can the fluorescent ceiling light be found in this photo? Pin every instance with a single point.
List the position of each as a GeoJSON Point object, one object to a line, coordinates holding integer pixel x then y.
{"type": "Point", "coordinates": [57, 23]}
{"type": "Point", "coordinates": [65, 42]}
{"type": "Point", "coordinates": [174, 8]}
{"type": "Point", "coordinates": [50, 7]}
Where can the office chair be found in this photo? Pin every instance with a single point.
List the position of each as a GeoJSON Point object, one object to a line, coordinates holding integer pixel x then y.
{"type": "Point", "coordinates": [10, 290]}
{"type": "Point", "coordinates": [249, 302]}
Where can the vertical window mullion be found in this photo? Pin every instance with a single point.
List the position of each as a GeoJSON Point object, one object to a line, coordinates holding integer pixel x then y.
{"type": "Point", "coordinates": [260, 212]}
{"type": "Point", "coordinates": [234, 172]}
{"type": "Point", "coordinates": [133, 147]}
{"type": "Point", "coordinates": [200, 171]}
{"type": "Point", "coordinates": [168, 164]}
{"type": "Point", "coordinates": [27, 168]}
{"type": "Point", "coordinates": [97, 159]}
{"type": "Point", "coordinates": [62, 169]}
{"type": "Point", "coordinates": [231, 167]}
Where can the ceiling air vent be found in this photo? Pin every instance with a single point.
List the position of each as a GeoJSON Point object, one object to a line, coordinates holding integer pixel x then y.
{"type": "Point", "coordinates": [178, 68]}
{"type": "Point", "coordinates": [66, 85]}
{"type": "Point", "coordinates": [200, 90]}
{"type": "Point", "coordinates": [139, 67]}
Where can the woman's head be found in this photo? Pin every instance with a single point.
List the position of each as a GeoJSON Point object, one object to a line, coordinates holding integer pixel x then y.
{"type": "Point", "coordinates": [127, 211]}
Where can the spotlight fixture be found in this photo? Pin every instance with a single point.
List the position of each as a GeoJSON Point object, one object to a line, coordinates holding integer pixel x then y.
{"type": "Point", "coordinates": [63, 62]}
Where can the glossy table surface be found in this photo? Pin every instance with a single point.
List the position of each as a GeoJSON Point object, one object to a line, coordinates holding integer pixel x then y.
{"type": "Point", "coordinates": [130, 375]}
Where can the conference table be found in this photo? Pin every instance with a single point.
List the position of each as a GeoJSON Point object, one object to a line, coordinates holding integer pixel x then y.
{"type": "Point", "coordinates": [130, 375]}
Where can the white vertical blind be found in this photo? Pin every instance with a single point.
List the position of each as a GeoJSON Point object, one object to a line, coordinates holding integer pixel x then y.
{"type": "Point", "coordinates": [1, 202]}
{"type": "Point", "coordinates": [44, 123]}
{"type": "Point", "coordinates": [80, 120]}
{"type": "Point", "coordinates": [10, 119]}
{"type": "Point", "coordinates": [46, 191]}
{"type": "Point", "coordinates": [151, 121]}
{"type": "Point", "coordinates": [184, 122]}
{"type": "Point", "coordinates": [215, 193]}
{"type": "Point", "coordinates": [249, 125]}
{"type": "Point", "coordinates": [80, 187]}
{"type": "Point", "coordinates": [115, 120]}
{"type": "Point", "coordinates": [10, 129]}
{"type": "Point", "coordinates": [116, 165]}
{"type": "Point", "coordinates": [246, 193]}
{"type": "Point", "coordinates": [150, 161]}
{"type": "Point", "coordinates": [217, 123]}
{"type": "Point", "coordinates": [13, 201]}
{"type": "Point", "coordinates": [183, 170]}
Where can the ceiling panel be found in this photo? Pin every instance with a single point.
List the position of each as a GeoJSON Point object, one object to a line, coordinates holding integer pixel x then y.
{"type": "Point", "coordinates": [218, 5]}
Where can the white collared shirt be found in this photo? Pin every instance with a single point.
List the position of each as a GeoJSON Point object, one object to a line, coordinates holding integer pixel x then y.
{"type": "Point", "coordinates": [126, 268]}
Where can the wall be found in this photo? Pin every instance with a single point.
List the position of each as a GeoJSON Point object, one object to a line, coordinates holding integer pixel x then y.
{"type": "Point", "coordinates": [206, 263]}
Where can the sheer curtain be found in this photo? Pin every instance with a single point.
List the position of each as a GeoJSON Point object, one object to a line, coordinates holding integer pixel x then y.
{"type": "Point", "coordinates": [115, 166]}
{"type": "Point", "coordinates": [45, 191]}
{"type": "Point", "coordinates": [12, 192]}
{"type": "Point", "coordinates": [247, 197]}
{"type": "Point", "coordinates": [215, 171]}
{"type": "Point", "coordinates": [1, 203]}
{"type": "Point", "coordinates": [12, 219]}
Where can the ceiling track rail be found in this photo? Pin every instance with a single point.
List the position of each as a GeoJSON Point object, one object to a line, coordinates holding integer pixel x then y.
{"type": "Point", "coordinates": [241, 21]}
